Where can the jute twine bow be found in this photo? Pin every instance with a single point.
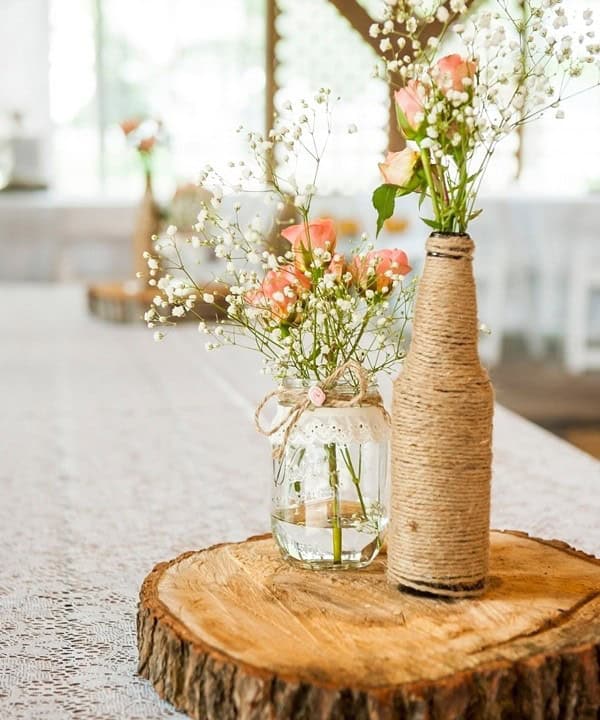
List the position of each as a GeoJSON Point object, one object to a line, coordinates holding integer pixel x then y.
{"type": "Point", "coordinates": [303, 399]}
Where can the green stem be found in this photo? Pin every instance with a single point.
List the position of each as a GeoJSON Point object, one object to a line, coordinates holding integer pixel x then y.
{"type": "Point", "coordinates": [431, 184]}
{"type": "Point", "coordinates": [355, 478]}
{"type": "Point", "coordinates": [461, 203]}
{"type": "Point", "coordinates": [335, 516]}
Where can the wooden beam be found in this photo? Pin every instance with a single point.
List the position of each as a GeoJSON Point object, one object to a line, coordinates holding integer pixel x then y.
{"type": "Point", "coordinates": [520, 134]}
{"type": "Point", "coordinates": [396, 140]}
{"type": "Point", "coordinates": [271, 39]}
{"type": "Point", "coordinates": [361, 21]}
{"type": "Point", "coordinates": [359, 18]}
{"type": "Point", "coordinates": [288, 214]}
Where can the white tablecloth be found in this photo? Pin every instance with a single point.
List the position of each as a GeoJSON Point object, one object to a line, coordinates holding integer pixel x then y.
{"type": "Point", "coordinates": [117, 453]}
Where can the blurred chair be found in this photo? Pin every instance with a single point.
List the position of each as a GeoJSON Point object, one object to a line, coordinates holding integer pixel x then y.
{"type": "Point", "coordinates": [557, 249]}
{"type": "Point", "coordinates": [492, 252]}
{"type": "Point", "coordinates": [584, 283]}
{"type": "Point", "coordinates": [542, 226]}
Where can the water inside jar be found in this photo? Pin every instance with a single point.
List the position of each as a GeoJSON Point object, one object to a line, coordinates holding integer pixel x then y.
{"type": "Point", "coordinates": [305, 532]}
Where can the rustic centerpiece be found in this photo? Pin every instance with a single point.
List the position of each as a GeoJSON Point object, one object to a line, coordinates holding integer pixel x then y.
{"type": "Point", "coordinates": [452, 111]}
{"type": "Point", "coordinates": [244, 631]}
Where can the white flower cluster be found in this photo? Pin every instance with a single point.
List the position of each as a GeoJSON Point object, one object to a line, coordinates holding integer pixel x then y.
{"type": "Point", "coordinates": [299, 302]}
{"type": "Point", "coordinates": [514, 65]}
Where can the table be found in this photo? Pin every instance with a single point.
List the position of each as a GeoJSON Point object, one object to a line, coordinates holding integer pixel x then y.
{"type": "Point", "coordinates": [105, 437]}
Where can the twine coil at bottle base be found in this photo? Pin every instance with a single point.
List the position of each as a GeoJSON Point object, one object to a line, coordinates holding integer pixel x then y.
{"type": "Point", "coordinates": [441, 436]}
{"type": "Point", "coordinates": [302, 399]}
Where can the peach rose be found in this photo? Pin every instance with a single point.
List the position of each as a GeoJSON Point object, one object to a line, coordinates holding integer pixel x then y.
{"type": "Point", "coordinates": [410, 100]}
{"type": "Point", "coordinates": [320, 235]}
{"type": "Point", "coordinates": [146, 145]}
{"type": "Point", "coordinates": [451, 70]}
{"type": "Point", "coordinates": [379, 268]}
{"type": "Point", "coordinates": [399, 166]}
{"type": "Point", "coordinates": [130, 125]}
{"type": "Point", "coordinates": [279, 291]}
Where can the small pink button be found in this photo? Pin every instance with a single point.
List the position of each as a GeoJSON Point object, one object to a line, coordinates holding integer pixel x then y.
{"type": "Point", "coordinates": [316, 395]}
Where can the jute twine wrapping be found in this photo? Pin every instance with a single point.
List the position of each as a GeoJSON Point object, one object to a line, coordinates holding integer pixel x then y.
{"type": "Point", "coordinates": [441, 436]}
{"type": "Point", "coordinates": [299, 401]}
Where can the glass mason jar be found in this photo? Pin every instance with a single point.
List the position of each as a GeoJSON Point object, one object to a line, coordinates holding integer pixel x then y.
{"type": "Point", "coordinates": [330, 494]}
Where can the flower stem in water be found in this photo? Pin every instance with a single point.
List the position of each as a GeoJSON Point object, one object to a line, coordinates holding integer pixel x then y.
{"type": "Point", "coordinates": [355, 476]}
{"type": "Point", "coordinates": [336, 525]}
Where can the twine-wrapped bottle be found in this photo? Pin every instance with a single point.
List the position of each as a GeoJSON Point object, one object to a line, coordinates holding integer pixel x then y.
{"type": "Point", "coordinates": [441, 435]}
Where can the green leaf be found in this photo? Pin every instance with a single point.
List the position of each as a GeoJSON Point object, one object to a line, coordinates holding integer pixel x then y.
{"type": "Point", "coordinates": [407, 130]}
{"type": "Point", "coordinates": [431, 223]}
{"type": "Point", "coordinates": [384, 200]}
{"type": "Point", "coordinates": [475, 214]}
{"type": "Point", "coordinates": [414, 185]}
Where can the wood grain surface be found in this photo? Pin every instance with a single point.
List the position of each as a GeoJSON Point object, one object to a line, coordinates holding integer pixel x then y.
{"type": "Point", "coordinates": [235, 632]}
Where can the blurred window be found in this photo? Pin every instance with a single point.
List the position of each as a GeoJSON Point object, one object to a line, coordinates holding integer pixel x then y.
{"type": "Point", "coordinates": [197, 66]}
{"type": "Point", "coordinates": [564, 155]}
{"type": "Point", "coordinates": [556, 156]}
{"type": "Point", "coordinates": [318, 48]}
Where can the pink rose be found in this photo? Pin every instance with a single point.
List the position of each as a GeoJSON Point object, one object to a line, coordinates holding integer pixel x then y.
{"type": "Point", "coordinates": [410, 100]}
{"type": "Point", "coordinates": [451, 70]}
{"type": "Point", "coordinates": [379, 268]}
{"type": "Point", "coordinates": [399, 166]}
{"type": "Point", "coordinates": [316, 395]}
{"type": "Point", "coordinates": [319, 234]}
{"type": "Point", "coordinates": [279, 291]}
{"type": "Point", "coordinates": [337, 266]}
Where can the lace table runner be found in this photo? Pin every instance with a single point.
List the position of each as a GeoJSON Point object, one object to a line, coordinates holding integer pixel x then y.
{"type": "Point", "coordinates": [117, 453]}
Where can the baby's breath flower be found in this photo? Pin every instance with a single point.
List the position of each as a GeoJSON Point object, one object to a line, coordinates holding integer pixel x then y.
{"type": "Point", "coordinates": [442, 14]}
{"type": "Point", "coordinates": [288, 304]}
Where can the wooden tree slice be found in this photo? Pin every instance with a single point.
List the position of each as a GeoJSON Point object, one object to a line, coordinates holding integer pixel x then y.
{"type": "Point", "coordinates": [127, 302]}
{"type": "Point", "coordinates": [235, 632]}
{"type": "Point", "coordinates": [119, 301]}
